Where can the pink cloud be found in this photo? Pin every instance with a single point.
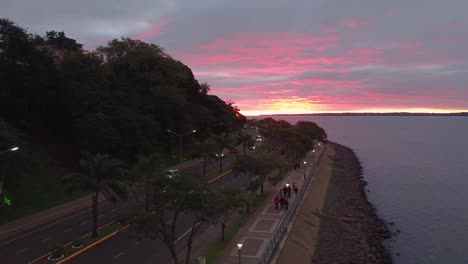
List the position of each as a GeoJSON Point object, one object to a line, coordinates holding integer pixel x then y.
{"type": "Point", "coordinates": [153, 30]}
{"type": "Point", "coordinates": [354, 23]}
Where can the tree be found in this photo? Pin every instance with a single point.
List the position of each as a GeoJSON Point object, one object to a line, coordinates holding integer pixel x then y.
{"type": "Point", "coordinates": [204, 88]}
{"type": "Point", "coordinates": [223, 203]}
{"type": "Point", "coordinates": [246, 140]}
{"type": "Point", "coordinates": [253, 165]}
{"type": "Point", "coordinates": [59, 40]}
{"type": "Point", "coordinates": [205, 149]}
{"type": "Point", "coordinates": [148, 168]}
{"type": "Point", "coordinates": [186, 195]}
{"type": "Point", "coordinates": [101, 175]}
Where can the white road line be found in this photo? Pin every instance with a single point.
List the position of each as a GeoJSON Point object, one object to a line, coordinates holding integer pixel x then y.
{"type": "Point", "coordinates": [184, 234]}
{"type": "Point", "coordinates": [49, 225]}
{"type": "Point", "coordinates": [45, 240]}
{"type": "Point", "coordinates": [84, 223]}
{"type": "Point", "coordinates": [68, 230]}
{"type": "Point", "coordinates": [21, 251]}
{"type": "Point", "coordinates": [119, 255]}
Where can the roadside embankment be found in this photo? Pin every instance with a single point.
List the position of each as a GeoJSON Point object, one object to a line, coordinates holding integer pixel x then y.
{"type": "Point", "coordinates": [350, 229]}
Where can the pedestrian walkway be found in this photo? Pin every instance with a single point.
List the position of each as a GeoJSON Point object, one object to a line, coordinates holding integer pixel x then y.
{"type": "Point", "coordinates": [262, 229]}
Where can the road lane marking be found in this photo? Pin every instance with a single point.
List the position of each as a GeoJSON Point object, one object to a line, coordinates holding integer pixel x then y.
{"type": "Point", "coordinates": [51, 224]}
{"type": "Point", "coordinates": [45, 240]}
{"type": "Point", "coordinates": [119, 255]}
{"type": "Point", "coordinates": [224, 174]}
{"type": "Point", "coordinates": [21, 251]}
{"type": "Point", "coordinates": [84, 223]}
{"type": "Point", "coordinates": [184, 234]}
{"type": "Point", "coordinates": [68, 230]}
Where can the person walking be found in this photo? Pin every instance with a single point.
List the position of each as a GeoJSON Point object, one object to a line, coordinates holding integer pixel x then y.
{"type": "Point", "coordinates": [288, 190]}
{"type": "Point", "coordinates": [285, 192]}
{"type": "Point", "coordinates": [276, 201]}
{"type": "Point", "coordinates": [295, 189]}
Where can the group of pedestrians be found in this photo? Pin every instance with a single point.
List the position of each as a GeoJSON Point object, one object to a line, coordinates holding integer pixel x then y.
{"type": "Point", "coordinates": [282, 197]}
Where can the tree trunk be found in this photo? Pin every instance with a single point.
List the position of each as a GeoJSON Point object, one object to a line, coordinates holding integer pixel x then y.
{"type": "Point", "coordinates": [223, 227]}
{"type": "Point", "coordinates": [189, 242]}
{"type": "Point", "coordinates": [95, 197]}
{"type": "Point", "coordinates": [173, 254]}
{"type": "Point", "coordinates": [204, 165]}
{"type": "Point", "coordinates": [147, 192]}
{"type": "Point", "coordinates": [261, 188]}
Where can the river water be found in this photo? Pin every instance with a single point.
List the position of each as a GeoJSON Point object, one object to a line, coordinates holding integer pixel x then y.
{"type": "Point", "coordinates": [417, 174]}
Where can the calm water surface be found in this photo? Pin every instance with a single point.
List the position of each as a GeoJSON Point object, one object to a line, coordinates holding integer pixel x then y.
{"type": "Point", "coordinates": [417, 170]}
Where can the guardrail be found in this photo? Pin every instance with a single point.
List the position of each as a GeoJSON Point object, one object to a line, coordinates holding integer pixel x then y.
{"type": "Point", "coordinates": [281, 228]}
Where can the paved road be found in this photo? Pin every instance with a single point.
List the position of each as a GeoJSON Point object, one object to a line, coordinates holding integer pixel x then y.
{"type": "Point", "coordinates": [125, 248]}
{"type": "Point", "coordinates": [32, 245]}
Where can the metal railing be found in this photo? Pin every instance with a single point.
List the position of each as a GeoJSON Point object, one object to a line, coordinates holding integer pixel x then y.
{"type": "Point", "coordinates": [281, 228]}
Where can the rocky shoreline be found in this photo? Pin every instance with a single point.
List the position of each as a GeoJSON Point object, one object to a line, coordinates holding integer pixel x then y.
{"type": "Point", "coordinates": [350, 229]}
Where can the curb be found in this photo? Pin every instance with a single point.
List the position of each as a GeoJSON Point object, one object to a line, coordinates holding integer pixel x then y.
{"type": "Point", "coordinates": [86, 248]}
{"type": "Point", "coordinates": [76, 254]}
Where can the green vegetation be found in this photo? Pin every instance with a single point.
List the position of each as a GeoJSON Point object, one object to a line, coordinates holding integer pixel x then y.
{"type": "Point", "coordinates": [58, 101]}
{"type": "Point", "coordinates": [239, 220]}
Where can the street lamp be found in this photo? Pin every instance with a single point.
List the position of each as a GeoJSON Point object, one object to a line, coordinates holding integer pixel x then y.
{"type": "Point", "coordinates": [180, 139]}
{"type": "Point", "coordinates": [239, 246]}
{"type": "Point", "coordinates": [305, 169]}
{"type": "Point", "coordinates": [220, 157]}
{"type": "Point", "coordinates": [3, 197]}
{"type": "Point", "coordinates": [313, 157]}
{"type": "Point", "coordinates": [8, 150]}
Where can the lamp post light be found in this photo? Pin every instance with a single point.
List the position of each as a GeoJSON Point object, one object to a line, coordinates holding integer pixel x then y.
{"type": "Point", "coordinates": [180, 139]}
{"type": "Point", "coordinates": [220, 157]}
{"type": "Point", "coordinates": [313, 157]}
{"type": "Point", "coordinates": [3, 197]}
{"type": "Point", "coordinates": [239, 246]}
{"type": "Point", "coordinates": [305, 169]}
{"type": "Point", "coordinates": [8, 150]}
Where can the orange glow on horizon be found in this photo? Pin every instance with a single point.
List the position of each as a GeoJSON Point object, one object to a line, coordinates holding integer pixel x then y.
{"type": "Point", "coordinates": [298, 110]}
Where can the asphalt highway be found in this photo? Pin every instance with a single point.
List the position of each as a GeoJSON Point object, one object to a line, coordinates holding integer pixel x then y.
{"type": "Point", "coordinates": [126, 248]}
{"type": "Point", "coordinates": [29, 246]}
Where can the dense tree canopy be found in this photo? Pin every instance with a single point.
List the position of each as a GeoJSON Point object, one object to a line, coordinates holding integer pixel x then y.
{"type": "Point", "coordinates": [119, 99]}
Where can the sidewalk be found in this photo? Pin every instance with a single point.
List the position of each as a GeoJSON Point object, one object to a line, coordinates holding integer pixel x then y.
{"type": "Point", "coordinates": [298, 246]}
{"type": "Point", "coordinates": [256, 234]}
{"type": "Point", "coordinates": [26, 224]}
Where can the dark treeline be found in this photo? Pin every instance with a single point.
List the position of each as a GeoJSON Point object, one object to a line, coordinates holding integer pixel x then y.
{"type": "Point", "coordinates": [118, 99]}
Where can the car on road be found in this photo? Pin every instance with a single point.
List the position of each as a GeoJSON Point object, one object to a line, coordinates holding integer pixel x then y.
{"type": "Point", "coordinates": [172, 173]}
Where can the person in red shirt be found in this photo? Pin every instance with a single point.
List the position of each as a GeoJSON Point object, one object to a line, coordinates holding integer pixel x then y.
{"type": "Point", "coordinates": [276, 200]}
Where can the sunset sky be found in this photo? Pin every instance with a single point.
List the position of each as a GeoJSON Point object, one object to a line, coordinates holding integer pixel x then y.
{"type": "Point", "coordinates": [302, 56]}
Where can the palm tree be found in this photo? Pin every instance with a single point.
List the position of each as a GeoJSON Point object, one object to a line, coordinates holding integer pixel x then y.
{"type": "Point", "coordinates": [205, 149]}
{"type": "Point", "coordinates": [101, 175]}
{"type": "Point", "coordinates": [147, 167]}
{"type": "Point", "coordinates": [246, 140]}
{"type": "Point", "coordinates": [204, 88]}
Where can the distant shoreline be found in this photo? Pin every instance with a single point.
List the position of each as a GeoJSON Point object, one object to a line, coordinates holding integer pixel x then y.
{"type": "Point", "coordinates": [370, 114]}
